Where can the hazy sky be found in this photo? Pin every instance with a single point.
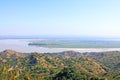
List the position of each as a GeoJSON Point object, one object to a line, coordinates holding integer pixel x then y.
{"type": "Point", "coordinates": [60, 17]}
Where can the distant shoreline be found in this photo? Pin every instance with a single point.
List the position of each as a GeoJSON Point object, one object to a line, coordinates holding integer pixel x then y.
{"type": "Point", "coordinates": [55, 50]}
{"type": "Point", "coordinates": [22, 46]}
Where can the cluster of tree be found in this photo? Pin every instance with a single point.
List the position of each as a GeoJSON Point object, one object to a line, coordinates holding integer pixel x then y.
{"type": "Point", "coordinates": [59, 66]}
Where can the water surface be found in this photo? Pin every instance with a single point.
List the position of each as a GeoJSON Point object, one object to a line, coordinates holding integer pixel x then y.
{"type": "Point", "coordinates": [21, 45]}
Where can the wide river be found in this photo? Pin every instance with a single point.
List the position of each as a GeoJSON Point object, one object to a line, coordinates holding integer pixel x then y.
{"type": "Point", "coordinates": [21, 45]}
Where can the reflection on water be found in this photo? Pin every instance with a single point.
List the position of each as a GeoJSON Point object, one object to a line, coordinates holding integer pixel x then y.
{"type": "Point", "coordinates": [21, 45]}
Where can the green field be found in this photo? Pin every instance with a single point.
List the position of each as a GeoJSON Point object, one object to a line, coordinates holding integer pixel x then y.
{"type": "Point", "coordinates": [75, 44]}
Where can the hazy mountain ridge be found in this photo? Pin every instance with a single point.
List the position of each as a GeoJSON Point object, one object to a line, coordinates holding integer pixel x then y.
{"type": "Point", "coordinates": [11, 53]}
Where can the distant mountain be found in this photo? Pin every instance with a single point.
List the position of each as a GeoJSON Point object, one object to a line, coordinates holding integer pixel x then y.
{"type": "Point", "coordinates": [11, 53]}
{"type": "Point", "coordinates": [67, 54]}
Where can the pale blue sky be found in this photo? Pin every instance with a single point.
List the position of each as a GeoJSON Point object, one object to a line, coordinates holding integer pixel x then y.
{"type": "Point", "coordinates": [99, 18]}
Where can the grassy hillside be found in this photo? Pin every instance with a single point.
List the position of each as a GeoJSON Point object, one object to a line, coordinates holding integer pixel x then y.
{"type": "Point", "coordinates": [108, 59]}
{"type": "Point", "coordinates": [68, 65]}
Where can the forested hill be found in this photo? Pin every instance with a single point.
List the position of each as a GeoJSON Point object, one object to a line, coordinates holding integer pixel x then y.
{"type": "Point", "coordinates": [67, 65]}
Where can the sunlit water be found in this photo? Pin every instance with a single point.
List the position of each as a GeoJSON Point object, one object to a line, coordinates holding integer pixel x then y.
{"type": "Point", "coordinates": [21, 45]}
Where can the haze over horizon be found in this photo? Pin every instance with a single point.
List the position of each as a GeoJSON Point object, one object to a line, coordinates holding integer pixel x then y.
{"type": "Point", "coordinates": [88, 18]}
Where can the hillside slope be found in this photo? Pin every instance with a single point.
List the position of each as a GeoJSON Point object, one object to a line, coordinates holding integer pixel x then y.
{"type": "Point", "coordinates": [64, 65]}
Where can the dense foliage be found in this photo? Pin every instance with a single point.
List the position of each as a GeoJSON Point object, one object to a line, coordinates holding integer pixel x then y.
{"type": "Point", "coordinates": [68, 65]}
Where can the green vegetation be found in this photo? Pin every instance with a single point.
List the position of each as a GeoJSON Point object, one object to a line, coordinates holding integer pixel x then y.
{"type": "Point", "coordinates": [57, 43]}
{"type": "Point", "coordinates": [68, 65]}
